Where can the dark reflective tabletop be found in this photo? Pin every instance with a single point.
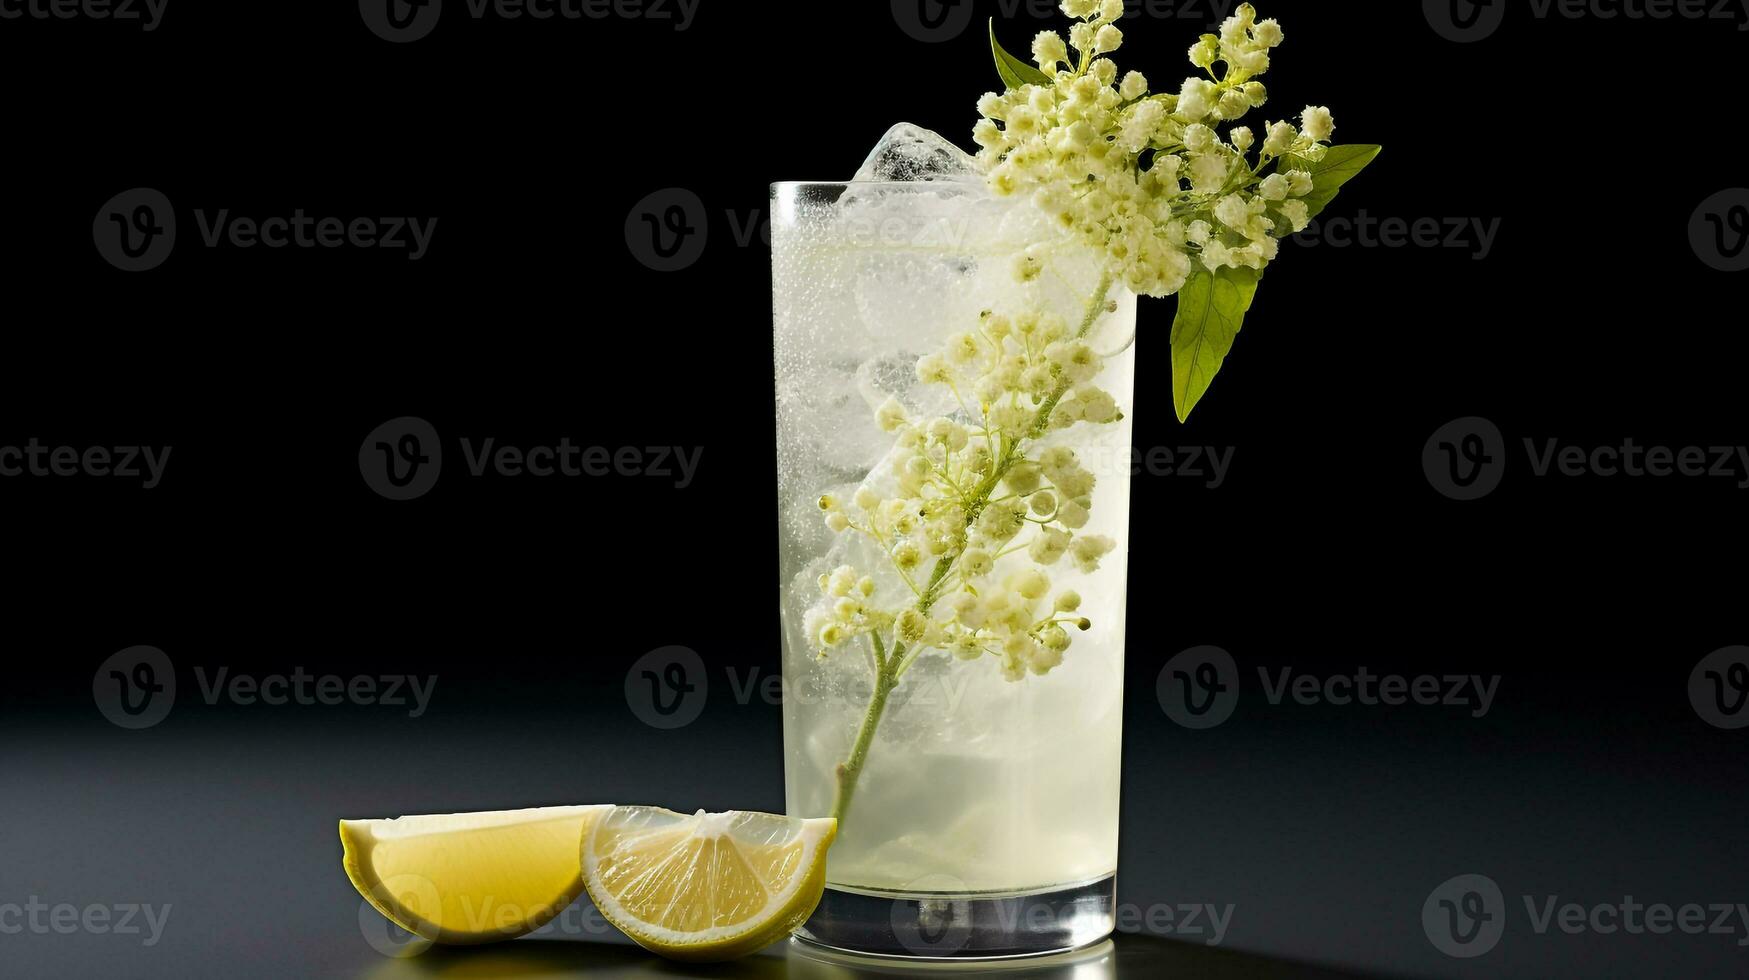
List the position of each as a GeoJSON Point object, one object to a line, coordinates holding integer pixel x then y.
{"type": "Point", "coordinates": [1125, 956]}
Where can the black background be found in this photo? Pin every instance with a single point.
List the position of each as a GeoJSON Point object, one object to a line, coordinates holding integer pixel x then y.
{"type": "Point", "coordinates": [1591, 320]}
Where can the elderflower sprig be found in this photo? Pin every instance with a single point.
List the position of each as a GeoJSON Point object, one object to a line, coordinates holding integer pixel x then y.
{"type": "Point", "coordinates": [1168, 186]}
{"type": "Point", "coordinates": [1151, 178]}
{"type": "Point", "coordinates": [971, 492]}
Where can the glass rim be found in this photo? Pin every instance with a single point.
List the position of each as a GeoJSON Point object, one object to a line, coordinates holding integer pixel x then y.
{"type": "Point", "coordinates": [777, 185]}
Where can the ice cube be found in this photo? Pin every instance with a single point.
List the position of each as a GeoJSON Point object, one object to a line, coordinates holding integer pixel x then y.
{"type": "Point", "coordinates": [910, 152]}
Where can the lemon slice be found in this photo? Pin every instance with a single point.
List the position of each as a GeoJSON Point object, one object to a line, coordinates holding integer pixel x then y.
{"type": "Point", "coordinates": [705, 887]}
{"type": "Point", "coordinates": [468, 878]}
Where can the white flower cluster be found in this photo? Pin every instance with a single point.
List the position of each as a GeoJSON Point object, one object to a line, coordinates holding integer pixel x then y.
{"type": "Point", "coordinates": [1150, 178]}
{"type": "Point", "coordinates": [968, 496]}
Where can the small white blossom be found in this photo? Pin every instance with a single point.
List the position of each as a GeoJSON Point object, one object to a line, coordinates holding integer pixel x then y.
{"type": "Point", "coordinates": [890, 416]}
{"type": "Point", "coordinates": [1280, 139]}
{"type": "Point", "coordinates": [976, 562]}
{"type": "Point", "coordinates": [1297, 214]}
{"type": "Point", "coordinates": [1044, 657]}
{"type": "Point", "coordinates": [1204, 52]}
{"type": "Point", "coordinates": [1087, 550]}
{"type": "Point", "coordinates": [1071, 514]}
{"type": "Point", "coordinates": [1048, 51]}
{"type": "Point", "coordinates": [1031, 584]}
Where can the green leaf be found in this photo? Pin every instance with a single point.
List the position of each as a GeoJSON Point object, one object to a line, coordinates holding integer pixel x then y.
{"type": "Point", "coordinates": [1211, 309]}
{"type": "Point", "coordinates": [1014, 72]}
{"type": "Point", "coordinates": [1339, 166]}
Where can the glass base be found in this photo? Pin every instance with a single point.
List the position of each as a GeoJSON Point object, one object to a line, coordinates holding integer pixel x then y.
{"type": "Point", "coordinates": [943, 926]}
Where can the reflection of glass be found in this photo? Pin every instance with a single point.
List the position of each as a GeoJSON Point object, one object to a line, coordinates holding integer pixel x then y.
{"type": "Point", "coordinates": [811, 962]}
{"type": "Point", "coordinates": [538, 959]}
{"type": "Point", "coordinates": [984, 780]}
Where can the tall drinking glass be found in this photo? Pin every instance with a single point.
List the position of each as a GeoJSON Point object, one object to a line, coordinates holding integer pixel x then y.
{"type": "Point", "coordinates": [954, 385]}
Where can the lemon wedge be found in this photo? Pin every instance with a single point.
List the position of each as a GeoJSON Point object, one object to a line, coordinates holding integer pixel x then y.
{"type": "Point", "coordinates": [467, 878]}
{"type": "Point", "coordinates": [709, 886]}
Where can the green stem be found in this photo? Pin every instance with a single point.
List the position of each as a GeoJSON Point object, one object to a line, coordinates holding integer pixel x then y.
{"type": "Point", "coordinates": [850, 769]}
{"type": "Point", "coordinates": [889, 668]}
